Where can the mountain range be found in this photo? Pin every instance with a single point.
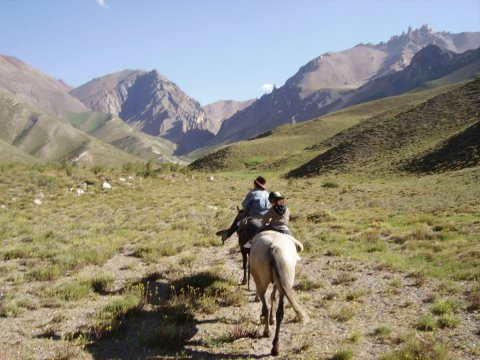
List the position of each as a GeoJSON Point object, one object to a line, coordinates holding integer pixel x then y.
{"type": "Point", "coordinates": [330, 81]}
{"type": "Point", "coordinates": [135, 114]}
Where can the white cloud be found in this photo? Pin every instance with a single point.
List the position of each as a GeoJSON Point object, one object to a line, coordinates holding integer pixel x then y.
{"type": "Point", "coordinates": [267, 88]}
{"type": "Point", "coordinates": [103, 3]}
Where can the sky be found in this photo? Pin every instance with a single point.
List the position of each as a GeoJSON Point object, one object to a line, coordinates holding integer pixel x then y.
{"type": "Point", "coordinates": [212, 49]}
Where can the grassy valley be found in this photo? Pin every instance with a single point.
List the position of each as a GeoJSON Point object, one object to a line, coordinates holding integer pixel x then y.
{"type": "Point", "coordinates": [390, 266]}
{"type": "Point", "coordinates": [123, 262]}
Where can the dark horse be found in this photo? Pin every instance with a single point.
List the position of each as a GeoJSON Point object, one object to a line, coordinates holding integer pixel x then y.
{"type": "Point", "coordinates": [246, 229]}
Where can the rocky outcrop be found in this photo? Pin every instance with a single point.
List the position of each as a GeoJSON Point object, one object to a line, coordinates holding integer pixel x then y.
{"type": "Point", "coordinates": [151, 103]}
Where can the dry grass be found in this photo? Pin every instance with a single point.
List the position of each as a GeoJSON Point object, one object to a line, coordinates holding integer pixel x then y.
{"type": "Point", "coordinates": [422, 227]}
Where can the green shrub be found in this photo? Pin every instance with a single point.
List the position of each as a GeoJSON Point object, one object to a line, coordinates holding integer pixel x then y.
{"type": "Point", "coordinates": [448, 321]}
{"type": "Point", "coordinates": [45, 273]}
{"type": "Point", "coordinates": [448, 306]}
{"type": "Point", "coordinates": [100, 283]}
{"type": "Point", "coordinates": [344, 314]}
{"type": "Point", "coordinates": [426, 323]}
{"type": "Point", "coordinates": [71, 291]}
{"type": "Point", "coordinates": [343, 354]}
{"type": "Point", "coordinates": [330, 184]}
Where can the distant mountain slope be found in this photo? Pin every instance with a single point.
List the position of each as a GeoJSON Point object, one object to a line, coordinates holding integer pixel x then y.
{"type": "Point", "coordinates": [151, 103]}
{"type": "Point", "coordinates": [289, 146]}
{"type": "Point", "coordinates": [389, 143]}
{"type": "Point", "coordinates": [37, 88]}
{"type": "Point", "coordinates": [430, 63]}
{"type": "Point", "coordinates": [45, 137]}
{"type": "Point", "coordinates": [320, 85]}
{"type": "Point", "coordinates": [10, 154]}
{"type": "Point", "coordinates": [113, 130]}
{"type": "Point", "coordinates": [223, 109]}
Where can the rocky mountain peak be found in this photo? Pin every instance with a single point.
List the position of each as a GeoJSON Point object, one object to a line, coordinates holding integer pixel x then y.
{"type": "Point", "coordinates": [151, 103]}
{"type": "Point", "coordinates": [418, 37]}
{"type": "Point", "coordinates": [324, 83]}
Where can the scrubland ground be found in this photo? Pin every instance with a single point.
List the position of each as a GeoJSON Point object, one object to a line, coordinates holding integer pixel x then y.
{"type": "Point", "coordinates": [391, 266]}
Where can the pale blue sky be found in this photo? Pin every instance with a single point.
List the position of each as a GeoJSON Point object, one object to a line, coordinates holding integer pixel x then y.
{"type": "Point", "coordinates": [212, 49]}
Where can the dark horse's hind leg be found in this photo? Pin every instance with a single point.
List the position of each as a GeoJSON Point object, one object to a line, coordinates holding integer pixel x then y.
{"type": "Point", "coordinates": [245, 263]}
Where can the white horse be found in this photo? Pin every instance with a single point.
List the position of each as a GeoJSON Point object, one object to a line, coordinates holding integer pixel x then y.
{"type": "Point", "coordinates": [273, 257]}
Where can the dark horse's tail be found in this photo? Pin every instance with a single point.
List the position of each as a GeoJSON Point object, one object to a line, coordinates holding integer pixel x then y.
{"type": "Point", "coordinates": [281, 282]}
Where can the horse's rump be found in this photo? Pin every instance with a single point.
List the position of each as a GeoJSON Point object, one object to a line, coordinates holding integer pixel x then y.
{"type": "Point", "coordinates": [264, 245]}
{"type": "Point", "coordinates": [247, 229]}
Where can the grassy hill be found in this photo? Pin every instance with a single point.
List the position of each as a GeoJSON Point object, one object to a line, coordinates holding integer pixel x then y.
{"type": "Point", "coordinates": [460, 151]}
{"type": "Point", "coordinates": [9, 153]}
{"type": "Point", "coordinates": [289, 146]}
{"type": "Point", "coordinates": [116, 132]}
{"type": "Point", "coordinates": [386, 143]}
{"type": "Point", "coordinates": [47, 138]}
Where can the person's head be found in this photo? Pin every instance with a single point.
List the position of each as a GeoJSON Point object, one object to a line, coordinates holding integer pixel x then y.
{"type": "Point", "coordinates": [276, 198]}
{"type": "Point", "coordinates": [259, 182]}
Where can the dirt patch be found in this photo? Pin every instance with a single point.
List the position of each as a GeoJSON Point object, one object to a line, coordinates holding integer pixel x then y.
{"type": "Point", "coordinates": [365, 308]}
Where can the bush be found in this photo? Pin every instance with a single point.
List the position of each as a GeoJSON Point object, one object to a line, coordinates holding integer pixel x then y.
{"type": "Point", "coordinates": [330, 184]}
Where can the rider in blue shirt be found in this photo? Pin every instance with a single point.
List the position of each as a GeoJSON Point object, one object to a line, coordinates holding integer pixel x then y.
{"type": "Point", "coordinates": [255, 205]}
{"type": "Point", "coordinates": [256, 202]}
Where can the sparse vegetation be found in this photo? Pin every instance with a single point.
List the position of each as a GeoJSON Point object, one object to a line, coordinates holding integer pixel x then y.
{"type": "Point", "coordinates": [408, 233]}
{"type": "Point", "coordinates": [419, 348]}
{"type": "Point", "coordinates": [426, 323]}
{"type": "Point", "coordinates": [343, 354]}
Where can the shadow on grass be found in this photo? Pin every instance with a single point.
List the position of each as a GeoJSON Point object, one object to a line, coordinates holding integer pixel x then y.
{"type": "Point", "coordinates": [163, 327]}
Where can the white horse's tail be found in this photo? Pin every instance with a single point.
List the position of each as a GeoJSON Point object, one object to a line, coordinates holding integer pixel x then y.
{"type": "Point", "coordinates": [283, 285]}
{"type": "Point", "coordinates": [298, 245]}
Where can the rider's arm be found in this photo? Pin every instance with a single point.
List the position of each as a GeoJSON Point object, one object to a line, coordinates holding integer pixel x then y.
{"type": "Point", "coordinates": [267, 217]}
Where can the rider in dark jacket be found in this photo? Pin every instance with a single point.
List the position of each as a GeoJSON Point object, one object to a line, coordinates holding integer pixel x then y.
{"type": "Point", "coordinates": [278, 216]}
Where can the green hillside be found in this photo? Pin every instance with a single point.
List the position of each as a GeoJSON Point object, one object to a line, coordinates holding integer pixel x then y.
{"type": "Point", "coordinates": [458, 152]}
{"type": "Point", "coordinates": [9, 154]}
{"type": "Point", "coordinates": [289, 146]}
{"type": "Point", "coordinates": [116, 132]}
{"type": "Point", "coordinates": [45, 137]}
{"type": "Point", "coordinates": [386, 143]}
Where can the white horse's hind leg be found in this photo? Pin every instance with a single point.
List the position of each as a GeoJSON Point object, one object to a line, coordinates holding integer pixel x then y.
{"type": "Point", "coordinates": [272, 305]}
{"type": "Point", "coordinates": [264, 315]}
{"type": "Point", "coordinates": [280, 312]}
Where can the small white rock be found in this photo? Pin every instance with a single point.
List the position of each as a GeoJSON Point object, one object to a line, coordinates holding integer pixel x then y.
{"type": "Point", "coordinates": [106, 185]}
{"type": "Point", "coordinates": [37, 201]}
